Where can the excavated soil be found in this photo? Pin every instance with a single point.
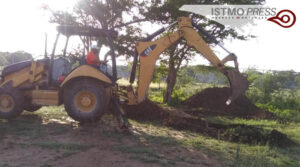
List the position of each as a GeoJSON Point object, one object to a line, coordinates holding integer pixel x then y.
{"type": "Point", "coordinates": [147, 110]}
{"type": "Point", "coordinates": [212, 101]}
{"type": "Point", "coordinates": [251, 135]}
{"type": "Point", "coordinates": [234, 133]}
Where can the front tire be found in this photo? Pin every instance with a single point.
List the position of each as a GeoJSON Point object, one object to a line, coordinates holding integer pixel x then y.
{"type": "Point", "coordinates": [11, 103]}
{"type": "Point", "coordinates": [85, 100]}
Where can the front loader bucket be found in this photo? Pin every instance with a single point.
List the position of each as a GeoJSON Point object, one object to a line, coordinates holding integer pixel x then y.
{"type": "Point", "coordinates": [238, 84]}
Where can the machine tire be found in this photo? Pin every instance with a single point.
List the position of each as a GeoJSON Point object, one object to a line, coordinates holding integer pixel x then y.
{"type": "Point", "coordinates": [85, 100]}
{"type": "Point", "coordinates": [32, 108]}
{"type": "Point", "coordinates": [13, 104]}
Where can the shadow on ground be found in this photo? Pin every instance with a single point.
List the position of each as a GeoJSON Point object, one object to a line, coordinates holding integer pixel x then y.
{"type": "Point", "coordinates": [35, 139]}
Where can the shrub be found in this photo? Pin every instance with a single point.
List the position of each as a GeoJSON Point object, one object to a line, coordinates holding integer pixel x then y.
{"type": "Point", "coordinates": [283, 114]}
{"type": "Point", "coordinates": [178, 96]}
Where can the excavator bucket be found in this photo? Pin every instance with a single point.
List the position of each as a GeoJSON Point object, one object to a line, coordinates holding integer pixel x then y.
{"type": "Point", "coordinates": [238, 84]}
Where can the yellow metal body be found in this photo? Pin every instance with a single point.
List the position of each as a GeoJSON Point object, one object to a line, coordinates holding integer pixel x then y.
{"type": "Point", "coordinates": [32, 77]}
{"type": "Point", "coordinates": [147, 63]}
{"type": "Point", "coordinates": [36, 73]}
{"type": "Point", "coordinates": [85, 101]}
{"type": "Point", "coordinates": [45, 97]}
{"type": "Point", "coordinates": [86, 71]}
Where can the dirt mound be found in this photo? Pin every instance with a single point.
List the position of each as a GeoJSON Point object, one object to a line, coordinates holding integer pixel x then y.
{"type": "Point", "coordinates": [212, 100]}
{"type": "Point", "coordinates": [147, 110]}
{"type": "Point", "coordinates": [234, 133]}
{"type": "Point", "coordinates": [254, 135]}
{"type": "Point", "coordinates": [179, 119]}
{"type": "Point", "coordinates": [192, 124]}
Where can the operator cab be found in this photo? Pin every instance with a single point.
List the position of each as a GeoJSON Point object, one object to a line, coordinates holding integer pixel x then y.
{"type": "Point", "coordinates": [62, 65]}
{"type": "Point", "coordinates": [59, 66]}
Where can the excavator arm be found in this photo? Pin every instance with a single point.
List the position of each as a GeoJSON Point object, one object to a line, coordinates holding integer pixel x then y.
{"type": "Point", "coordinates": [149, 51]}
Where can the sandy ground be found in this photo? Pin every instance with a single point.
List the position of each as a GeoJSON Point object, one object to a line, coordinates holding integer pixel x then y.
{"type": "Point", "coordinates": [30, 141]}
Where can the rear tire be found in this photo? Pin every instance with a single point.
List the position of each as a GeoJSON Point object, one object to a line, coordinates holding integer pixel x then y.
{"type": "Point", "coordinates": [11, 103]}
{"type": "Point", "coordinates": [85, 100]}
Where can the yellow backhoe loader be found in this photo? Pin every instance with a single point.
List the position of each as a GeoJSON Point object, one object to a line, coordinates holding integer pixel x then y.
{"type": "Point", "coordinates": [87, 92]}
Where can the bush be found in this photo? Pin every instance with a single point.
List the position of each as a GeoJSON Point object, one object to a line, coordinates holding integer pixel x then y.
{"type": "Point", "coordinates": [276, 91]}
{"type": "Point", "coordinates": [285, 99]}
{"type": "Point", "coordinates": [254, 94]}
{"type": "Point", "coordinates": [283, 114]}
{"type": "Point", "coordinates": [156, 95]}
{"type": "Point", "coordinates": [182, 92]}
{"type": "Point", "coordinates": [178, 96]}
{"type": "Point", "coordinates": [281, 99]}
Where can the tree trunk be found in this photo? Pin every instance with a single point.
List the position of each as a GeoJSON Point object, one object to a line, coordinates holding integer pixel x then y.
{"type": "Point", "coordinates": [173, 69]}
{"type": "Point", "coordinates": [171, 80]}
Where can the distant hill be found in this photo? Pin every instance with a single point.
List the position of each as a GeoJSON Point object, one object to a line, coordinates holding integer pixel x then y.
{"type": "Point", "coordinates": [121, 70]}
{"type": "Point", "coordinates": [7, 58]}
{"type": "Point", "coordinates": [202, 74]}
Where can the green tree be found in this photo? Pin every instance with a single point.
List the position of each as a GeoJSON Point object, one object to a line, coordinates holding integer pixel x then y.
{"type": "Point", "coordinates": [3, 61]}
{"type": "Point", "coordinates": [185, 76]}
{"type": "Point", "coordinates": [160, 72]}
{"type": "Point", "coordinates": [252, 75]}
{"type": "Point", "coordinates": [297, 80]}
{"type": "Point", "coordinates": [119, 15]}
{"type": "Point", "coordinates": [278, 88]}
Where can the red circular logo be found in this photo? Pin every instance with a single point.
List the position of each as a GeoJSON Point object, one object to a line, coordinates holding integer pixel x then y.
{"type": "Point", "coordinates": [284, 18]}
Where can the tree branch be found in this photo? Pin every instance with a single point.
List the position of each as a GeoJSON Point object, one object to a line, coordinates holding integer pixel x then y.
{"type": "Point", "coordinates": [131, 22]}
{"type": "Point", "coordinates": [114, 18]}
{"type": "Point", "coordinates": [182, 56]}
{"type": "Point", "coordinates": [84, 43]}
